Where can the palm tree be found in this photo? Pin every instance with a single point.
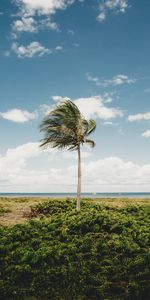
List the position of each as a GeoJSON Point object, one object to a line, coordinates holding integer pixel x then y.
{"type": "Point", "coordinates": [65, 127]}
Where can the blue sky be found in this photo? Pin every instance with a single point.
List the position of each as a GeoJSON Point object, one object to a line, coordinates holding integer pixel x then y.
{"type": "Point", "coordinates": [94, 52]}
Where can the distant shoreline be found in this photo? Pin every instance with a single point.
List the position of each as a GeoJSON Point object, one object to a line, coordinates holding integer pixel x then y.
{"type": "Point", "coordinates": [83, 195]}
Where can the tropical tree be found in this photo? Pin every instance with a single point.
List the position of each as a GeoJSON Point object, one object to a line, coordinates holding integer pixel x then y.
{"type": "Point", "coordinates": [65, 127]}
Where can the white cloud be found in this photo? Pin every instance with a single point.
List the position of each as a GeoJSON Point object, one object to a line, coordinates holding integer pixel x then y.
{"type": "Point", "coordinates": [102, 16]}
{"type": "Point", "coordinates": [113, 173]}
{"type": "Point", "coordinates": [120, 5]}
{"type": "Point", "coordinates": [31, 50]}
{"type": "Point", "coordinates": [146, 134]}
{"type": "Point", "coordinates": [19, 173]}
{"type": "Point", "coordinates": [109, 123]}
{"type": "Point", "coordinates": [114, 6]}
{"type": "Point", "coordinates": [59, 48]}
{"type": "Point", "coordinates": [14, 36]}
{"type": "Point", "coordinates": [15, 171]}
{"type": "Point", "coordinates": [92, 78]}
{"type": "Point", "coordinates": [139, 117]}
{"type": "Point", "coordinates": [18, 115]}
{"type": "Point", "coordinates": [42, 7]}
{"type": "Point", "coordinates": [14, 159]}
{"type": "Point", "coordinates": [25, 24]}
{"type": "Point", "coordinates": [119, 80]}
{"type": "Point", "coordinates": [44, 109]}
{"type": "Point", "coordinates": [24, 151]}
{"type": "Point", "coordinates": [49, 24]}
{"type": "Point", "coordinates": [115, 81]}
{"type": "Point", "coordinates": [29, 24]}
{"type": "Point", "coordinates": [108, 97]}
{"type": "Point", "coordinates": [73, 154]}
{"type": "Point", "coordinates": [30, 9]}
{"type": "Point", "coordinates": [59, 98]}
{"type": "Point", "coordinates": [94, 107]}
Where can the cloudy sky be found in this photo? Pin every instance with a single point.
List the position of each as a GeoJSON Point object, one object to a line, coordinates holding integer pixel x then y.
{"type": "Point", "coordinates": [94, 52]}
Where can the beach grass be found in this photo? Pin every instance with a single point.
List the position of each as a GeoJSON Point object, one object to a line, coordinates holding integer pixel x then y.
{"type": "Point", "coordinates": [16, 210]}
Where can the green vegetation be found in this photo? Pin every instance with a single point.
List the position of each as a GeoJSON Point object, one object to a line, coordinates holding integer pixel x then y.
{"type": "Point", "coordinates": [100, 253]}
{"type": "Point", "coordinates": [65, 127]}
{"type": "Point", "coordinates": [4, 211]}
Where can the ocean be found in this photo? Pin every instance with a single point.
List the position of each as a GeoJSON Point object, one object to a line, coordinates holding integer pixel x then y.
{"type": "Point", "coordinates": [84, 195]}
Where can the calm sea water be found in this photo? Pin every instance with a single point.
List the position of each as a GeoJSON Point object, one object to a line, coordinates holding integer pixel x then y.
{"type": "Point", "coordinates": [84, 195]}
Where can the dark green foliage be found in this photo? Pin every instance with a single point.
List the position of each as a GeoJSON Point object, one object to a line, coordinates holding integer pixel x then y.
{"type": "Point", "coordinates": [65, 127]}
{"type": "Point", "coordinates": [99, 253]}
{"type": "Point", "coordinates": [53, 207]}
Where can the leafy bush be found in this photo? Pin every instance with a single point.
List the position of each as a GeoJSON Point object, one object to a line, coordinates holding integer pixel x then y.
{"type": "Point", "coordinates": [99, 253]}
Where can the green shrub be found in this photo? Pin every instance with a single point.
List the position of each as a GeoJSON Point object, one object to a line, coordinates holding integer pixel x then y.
{"type": "Point", "coordinates": [96, 254]}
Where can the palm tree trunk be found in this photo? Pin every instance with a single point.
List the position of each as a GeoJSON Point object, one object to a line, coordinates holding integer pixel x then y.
{"type": "Point", "coordinates": [79, 180]}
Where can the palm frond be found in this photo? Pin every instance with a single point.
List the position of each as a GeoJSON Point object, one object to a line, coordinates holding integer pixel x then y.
{"type": "Point", "coordinates": [90, 142]}
{"type": "Point", "coordinates": [65, 127]}
{"type": "Point", "coordinates": [91, 127]}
